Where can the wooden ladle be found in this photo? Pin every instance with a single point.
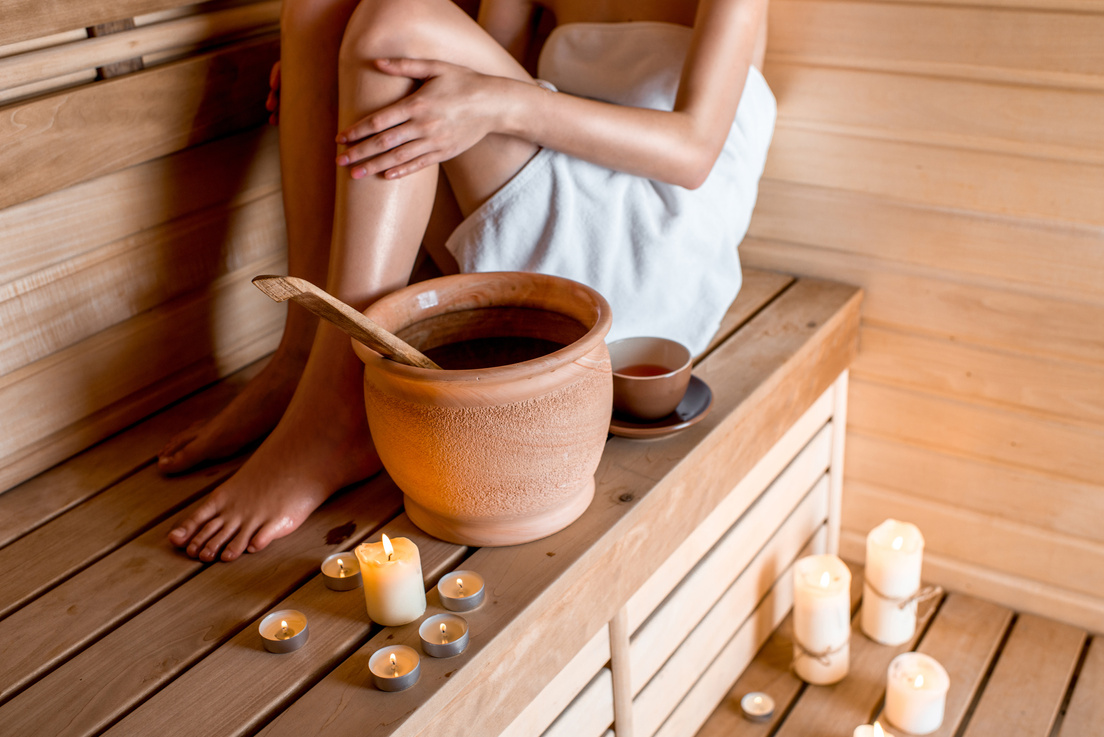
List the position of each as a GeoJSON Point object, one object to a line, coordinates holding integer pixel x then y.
{"type": "Point", "coordinates": [328, 307]}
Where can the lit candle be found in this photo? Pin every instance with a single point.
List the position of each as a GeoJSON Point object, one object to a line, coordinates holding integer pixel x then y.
{"type": "Point", "coordinates": [871, 730]}
{"type": "Point", "coordinates": [393, 588]}
{"type": "Point", "coordinates": [444, 635]}
{"type": "Point", "coordinates": [757, 706]}
{"type": "Point", "coordinates": [894, 554]}
{"type": "Point", "coordinates": [341, 571]}
{"type": "Point", "coordinates": [821, 619]}
{"type": "Point", "coordinates": [461, 591]}
{"type": "Point", "coordinates": [284, 631]}
{"type": "Point", "coordinates": [394, 668]}
{"type": "Point", "coordinates": [916, 693]}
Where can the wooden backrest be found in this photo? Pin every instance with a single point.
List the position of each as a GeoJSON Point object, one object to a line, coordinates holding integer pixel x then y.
{"type": "Point", "coordinates": [139, 187]}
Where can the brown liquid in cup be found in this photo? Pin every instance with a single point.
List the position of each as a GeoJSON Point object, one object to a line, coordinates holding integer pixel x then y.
{"type": "Point", "coordinates": [643, 369]}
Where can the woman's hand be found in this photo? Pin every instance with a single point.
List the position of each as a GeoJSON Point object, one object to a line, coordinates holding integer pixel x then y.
{"type": "Point", "coordinates": [453, 109]}
{"type": "Point", "coordinates": [272, 104]}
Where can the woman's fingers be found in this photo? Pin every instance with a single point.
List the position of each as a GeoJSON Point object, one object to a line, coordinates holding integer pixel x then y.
{"type": "Point", "coordinates": [398, 161]}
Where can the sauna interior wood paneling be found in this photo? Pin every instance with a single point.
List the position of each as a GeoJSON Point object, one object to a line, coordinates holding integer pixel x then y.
{"type": "Point", "coordinates": [140, 191]}
{"type": "Point", "coordinates": [948, 157]}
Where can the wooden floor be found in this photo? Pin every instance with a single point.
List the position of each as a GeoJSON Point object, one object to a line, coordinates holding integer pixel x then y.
{"type": "Point", "coordinates": [1012, 675]}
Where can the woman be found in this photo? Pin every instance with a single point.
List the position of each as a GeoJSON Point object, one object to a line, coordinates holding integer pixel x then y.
{"type": "Point", "coordinates": [646, 204]}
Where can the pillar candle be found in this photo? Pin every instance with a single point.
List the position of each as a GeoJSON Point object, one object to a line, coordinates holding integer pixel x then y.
{"type": "Point", "coordinates": [393, 586]}
{"type": "Point", "coordinates": [894, 553]}
{"type": "Point", "coordinates": [916, 693]}
{"type": "Point", "coordinates": [822, 619]}
{"type": "Point", "coordinates": [871, 730]}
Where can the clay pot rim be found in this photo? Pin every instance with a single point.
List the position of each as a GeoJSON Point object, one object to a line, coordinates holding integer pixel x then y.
{"type": "Point", "coordinates": [600, 312]}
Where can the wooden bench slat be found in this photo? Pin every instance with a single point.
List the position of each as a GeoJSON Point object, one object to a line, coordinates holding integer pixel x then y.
{"type": "Point", "coordinates": [590, 713]}
{"type": "Point", "coordinates": [1086, 709]}
{"type": "Point", "coordinates": [749, 488]}
{"type": "Point", "coordinates": [119, 375]}
{"type": "Point", "coordinates": [34, 502]}
{"type": "Point", "coordinates": [25, 19]}
{"type": "Point", "coordinates": [1029, 683]}
{"type": "Point", "coordinates": [47, 232]}
{"type": "Point", "coordinates": [732, 557]}
{"type": "Point", "coordinates": [96, 527]}
{"type": "Point", "coordinates": [757, 290]}
{"type": "Point", "coordinates": [801, 534]}
{"type": "Point", "coordinates": [72, 136]}
{"type": "Point", "coordinates": [756, 396]}
{"type": "Point", "coordinates": [112, 676]}
{"type": "Point", "coordinates": [562, 689]}
{"type": "Point", "coordinates": [239, 686]}
{"type": "Point", "coordinates": [964, 637]}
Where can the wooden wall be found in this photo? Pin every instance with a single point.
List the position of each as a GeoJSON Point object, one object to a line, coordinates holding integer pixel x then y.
{"type": "Point", "coordinates": [949, 158]}
{"type": "Point", "coordinates": [139, 189]}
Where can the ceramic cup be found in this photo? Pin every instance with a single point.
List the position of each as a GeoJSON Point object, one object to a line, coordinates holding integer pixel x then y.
{"type": "Point", "coordinates": [650, 376]}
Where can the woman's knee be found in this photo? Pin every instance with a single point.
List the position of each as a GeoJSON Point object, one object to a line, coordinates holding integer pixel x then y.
{"type": "Point", "coordinates": [395, 28]}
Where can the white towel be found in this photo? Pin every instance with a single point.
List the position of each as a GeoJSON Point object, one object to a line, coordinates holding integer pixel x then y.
{"type": "Point", "coordinates": [665, 257]}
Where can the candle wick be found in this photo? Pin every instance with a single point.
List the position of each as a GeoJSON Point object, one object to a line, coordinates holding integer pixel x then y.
{"type": "Point", "coordinates": [389, 556]}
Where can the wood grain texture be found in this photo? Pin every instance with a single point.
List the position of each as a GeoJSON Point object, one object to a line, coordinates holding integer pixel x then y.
{"type": "Point", "coordinates": [996, 183]}
{"type": "Point", "coordinates": [1021, 45]}
{"type": "Point", "coordinates": [1086, 709]}
{"type": "Point", "coordinates": [1061, 449]}
{"type": "Point", "coordinates": [73, 136]}
{"type": "Point", "coordinates": [949, 306]}
{"type": "Point", "coordinates": [1045, 122]}
{"type": "Point", "coordinates": [190, 32]}
{"type": "Point", "coordinates": [135, 659]}
{"type": "Point", "coordinates": [996, 490]}
{"type": "Point", "coordinates": [45, 237]}
{"type": "Point", "coordinates": [590, 713]}
{"type": "Point", "coordinates": [239, 686]}
{"type": "Point", "coordinates": [26, 19]}
{"type": "Point", "coordinates": [1059, 260]}
{"type": "Point", "coordinates": [49, 494]}
{"type": "Point", "coordinates": [1029, 683]}
{"type": "Point", "coordinates": [55, 404]}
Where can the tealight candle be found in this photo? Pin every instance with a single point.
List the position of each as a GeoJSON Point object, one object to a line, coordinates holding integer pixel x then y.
{"type": "Point", "coordinates": [894, 555]}
{"type": "Point", "coordinates": [757, 706]}
{"type": "Point", "coordinates": [461, 591]}
{"type": "Point", "coordinates": [916, 693]}
{"type": "Point", "coordinates": [871, 730]}
{"type": "Point", "coordinates": [393, 588]}
{"type": "Point", "coordinates": [284, 631]}
{"type": "Point", "coordinates": [822, 619]}
{"type": "Point", "coordinates": [341, 571]}
{"type": "Point", "coordinates": [394, 668]}
{"type": "Point", "coordinates": [444, 635]}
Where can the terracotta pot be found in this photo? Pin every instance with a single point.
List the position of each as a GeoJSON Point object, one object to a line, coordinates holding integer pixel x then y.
{"type": "Point", "coordinates": [504, 454]}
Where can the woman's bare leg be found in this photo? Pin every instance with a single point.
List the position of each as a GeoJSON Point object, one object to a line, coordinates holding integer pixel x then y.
{"type": "Point", "coordinates": [322, 441]}
{"type": "Point", "coordinates": [308, 120]}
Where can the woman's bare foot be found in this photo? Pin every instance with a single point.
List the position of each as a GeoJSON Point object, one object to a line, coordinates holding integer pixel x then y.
{"type": "Point", "coordinates": [321, 445]}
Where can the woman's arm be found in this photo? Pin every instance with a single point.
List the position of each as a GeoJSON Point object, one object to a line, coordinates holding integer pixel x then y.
{"type": "Point", "coordinates": [458, 107]}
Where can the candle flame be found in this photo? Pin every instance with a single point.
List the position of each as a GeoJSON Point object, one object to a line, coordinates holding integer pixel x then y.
{"type": "Point", "coordinates": [898, 542]}
{"type": "Point", "coordinates": [460, 585]}
{"type": "Point", "coordinates": [444, 634]}
{"type": "Point", "coordinates": [387, 548]}
{"type": "Point", "coordinates": [919, 682]}
{"type": "Point", "coordinates": [340, 568]}
{"type": "Point", "coordinates": [825, 579]}
{"type": "Point", "coordinates": [283, 626]}
{"type": "Point", "coordinates": [394, 664]}
{"type": "Point", "coordinates": [878, 731]}
{"type": "Point", "coordinates": [758, 700]}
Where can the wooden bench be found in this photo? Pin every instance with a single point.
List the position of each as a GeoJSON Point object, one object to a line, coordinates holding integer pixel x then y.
{"type": "Point", "coordinates": [666, 587]}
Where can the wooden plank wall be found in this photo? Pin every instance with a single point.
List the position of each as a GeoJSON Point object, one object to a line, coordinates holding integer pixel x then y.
{"type": "Point", "coordinates": [139, 189]}
{"type": "Point", "coordinates": [948, 156]}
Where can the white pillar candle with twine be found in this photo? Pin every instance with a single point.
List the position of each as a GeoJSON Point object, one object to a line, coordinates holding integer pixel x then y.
{"type": "Point", "coordinates": [822, 619]}
{"type": "Point", "coordinates": [891, 587]}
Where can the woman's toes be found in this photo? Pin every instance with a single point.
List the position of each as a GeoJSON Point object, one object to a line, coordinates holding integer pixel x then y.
{"type": "Point", "coordinates": [218, 540]}
{"type": "Point", "coordinates": [183, 533]}
{"type": "Point", "coordinates": [238, 545]}
{"type": "Point", "coordinates": [199, 540]}
{"type": "Point", "coordinates": [282, 525]}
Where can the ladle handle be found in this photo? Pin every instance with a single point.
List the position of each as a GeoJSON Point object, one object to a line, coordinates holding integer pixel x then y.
{"type": "Point", "coordinates": [328, 307]}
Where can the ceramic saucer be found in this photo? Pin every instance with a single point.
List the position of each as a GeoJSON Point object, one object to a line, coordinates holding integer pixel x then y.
{"type": "Point", "coordinates": [693, 407]}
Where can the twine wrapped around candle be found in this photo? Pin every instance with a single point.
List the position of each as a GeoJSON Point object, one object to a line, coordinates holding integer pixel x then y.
{"type": "Point", "coordinates": [824, 657]}
{"type": "Point", "coordinates": [919, 596]}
